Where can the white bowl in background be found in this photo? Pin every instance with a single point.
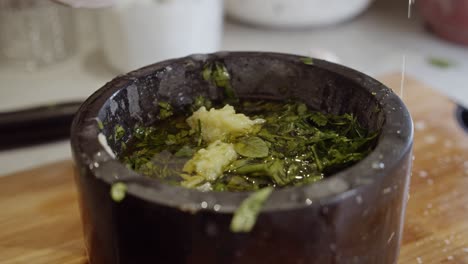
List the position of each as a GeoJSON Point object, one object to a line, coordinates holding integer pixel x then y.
{"type": "Point", "coordinates": [295, 13]}
{"type": "Point", "coordinates": [136, 33]}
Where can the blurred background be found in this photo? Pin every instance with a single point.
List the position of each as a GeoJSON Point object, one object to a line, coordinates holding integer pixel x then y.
{"type": "Point", "coordinates": [53, 56]}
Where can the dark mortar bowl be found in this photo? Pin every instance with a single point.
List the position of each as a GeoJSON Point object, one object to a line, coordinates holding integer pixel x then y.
{"type": "Point", "coordinates": [354, 216]}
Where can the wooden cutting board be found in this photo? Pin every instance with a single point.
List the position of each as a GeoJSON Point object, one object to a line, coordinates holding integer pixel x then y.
{"type": "Point", "coordinates": [40, 222]}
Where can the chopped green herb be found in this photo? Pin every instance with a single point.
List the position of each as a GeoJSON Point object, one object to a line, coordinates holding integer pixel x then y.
{"type": "Point", "coordinates": [221, 75]}
{"type": "Point", "coordinates": [185, 152]}
{"type": "Point", "coordinates": [218, 74]}
{"type": "Point", "coordinates": [251, 147]}
{"type": "Point", "coordinates": [376, 109]}
{"type": "Point", "coordinates": [199, 133]}
{"type": "Point", "coordinates": [100, 124]}
{"type": "Point", "coordinates": [277, 171]}
{"type": "Point", "coordinates": [441, 62]}
{"type": "Point", "coordinates": [319, 119]}
{"type": "Point", "coordinates": [119, 133]}
{"type": "Point", "coordinates": [165, 110]}
{"type": "Point", "coordinates": [290, 145]}
{"type": "Point", "coordinates": [207, 72]}
{"type": "Point", "coordinates": [301, 109]}
{"type": "Point", "coordinates": [307, 61]}
{"type": "Point", "coordinates": [201, 101]}
{"type": "Point", "coordinates": [246, 214]}
{"type": "Point", "coordinates": [118, 191]}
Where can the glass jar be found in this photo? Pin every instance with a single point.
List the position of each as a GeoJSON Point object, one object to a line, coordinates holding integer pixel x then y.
{"type": "Point", "coordinates": [35, 33]}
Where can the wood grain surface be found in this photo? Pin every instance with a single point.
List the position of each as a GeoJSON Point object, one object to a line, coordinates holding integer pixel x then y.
{"type": "Point", "coordinates": [39, 217]}
{"type": "Point", "coordinates": [40, 222]}
{"type": "Point", "coordinates": [436, 225]}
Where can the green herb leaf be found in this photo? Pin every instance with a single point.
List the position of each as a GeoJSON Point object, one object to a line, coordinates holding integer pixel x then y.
{"type": "Point", "coordinates": [277, 172]}
{"type": "Point", "coordinates": [221, 75]}
{"type": "Point", "coordinates": [246, 214]}
{"type": "Point", "coordinates": [100, 124]}
{"type": "Point", "coordinates": [185, 152]}
{"type": "Point", "coordinates": [218, 74]}
{"type": "Point", "coordinates": [165, 110]}
{"type": "Point", "coordinates": [119, 133]}
{"type": "Point", "coordinates": [302, 109]}
{"type": "Point", "coordinates": [193, 181]}
{"type": "Point", "coordinates": [441, 63]}
{"type": "Point", "coordinates": [307, 61]}
{"type": "Point", "coordinates": [201, 101]}
{"type": "Point", "coordinates": [319, 118]}
{"type": "Point", "coordinates": [252, 168]}
{"type": "Point", "coordinates": [199, 133]}
{"type": "Point", "coordinates": [251, 147]}
{"type": "Point", "coordinates": [207, 72]}
{"type": "Point", "coordinates": [118, 191]}
{"type": "Point", "coordinates": [317, 159]}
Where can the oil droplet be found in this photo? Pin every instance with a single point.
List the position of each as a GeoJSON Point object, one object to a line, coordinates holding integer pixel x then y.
{"type": "Point", "coordinates": [308, 201]}
{"type": "Point", "coordinates": [216, 207]}
{"type": "Point", "coordinates": [378, 165]}
{"type": "Point", "coordinates": [359, 199]}
{"type": "Point", "coordinates": [204, 205]}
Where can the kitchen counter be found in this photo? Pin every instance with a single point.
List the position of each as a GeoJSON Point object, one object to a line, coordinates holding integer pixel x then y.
{"type": "Point", "coordinates": [376, 43]}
